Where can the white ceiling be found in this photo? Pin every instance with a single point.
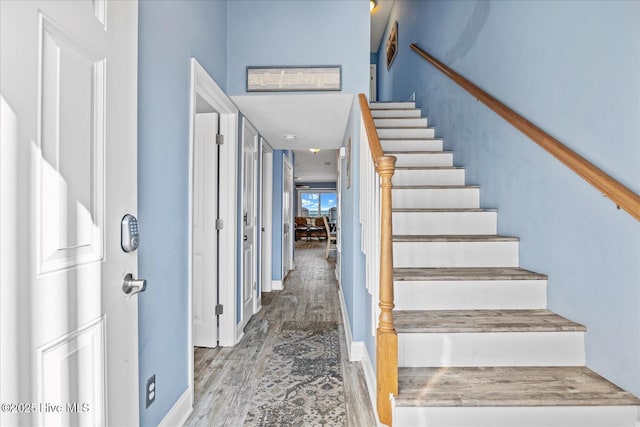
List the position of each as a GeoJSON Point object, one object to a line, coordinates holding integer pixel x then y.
{"type": "Point", "coordinates": [318, 167]}
{"type": "Point", "coordinates": [318, 120]}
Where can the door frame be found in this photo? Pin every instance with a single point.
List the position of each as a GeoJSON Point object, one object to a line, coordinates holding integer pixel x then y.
{"type": "Point", "coordinates": [266, 218]}
{"type": "Point", "coordinates": [287, 259]}
{"type": "Point", "coordinates": [245, 317]}
{"type": "Point", "coordinates": [204, 86]}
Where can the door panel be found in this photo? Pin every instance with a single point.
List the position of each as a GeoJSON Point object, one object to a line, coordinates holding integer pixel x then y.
{"type": "Point", "coordinates": [249, 199]}
{"type": "Point", "coordinates": [205, 234]}
{"type": "Point", "coordinates": [72, 83]}
{"type": "Point", "coordinates": [287, 203]}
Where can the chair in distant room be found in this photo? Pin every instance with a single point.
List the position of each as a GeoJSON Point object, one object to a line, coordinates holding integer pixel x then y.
{"type": "Point", "coordinates": [305, 212]}
{"type": "Point", "coordinates": [332, 238]}
{"type": "Point", "coordinates": [317, 228]}
{"type": "Point", "coordinates": [302, 230]}
{"type": "Point", "coordinates": [333, 218]}
{"type": "Point", "coordinates": [333, 215]}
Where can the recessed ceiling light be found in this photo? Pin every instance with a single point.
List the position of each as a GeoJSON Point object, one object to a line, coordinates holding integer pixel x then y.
{"type": "Point", "coordinates": [314, 150]}
{"type": "Point", "coordinates": [290, 137]}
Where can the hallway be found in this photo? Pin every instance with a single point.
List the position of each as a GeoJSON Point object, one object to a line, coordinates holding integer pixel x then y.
{"type": "Point", "coordinates": [291, 367]}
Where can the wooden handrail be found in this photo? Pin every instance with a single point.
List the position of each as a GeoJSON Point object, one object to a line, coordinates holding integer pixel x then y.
{"type": "Point", "coordinates": [386, 335]}
{"type": "Point", "coordinates": [622, 196]}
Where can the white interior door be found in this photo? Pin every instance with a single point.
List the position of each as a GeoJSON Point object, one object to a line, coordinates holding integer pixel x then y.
{"type": "Point", "coordinates": [373, 85]}
{"type": "Point", "coordinates": [249, 184]}
{"type": "Point", "coordinates": [287, 203]}
{"type": "Point", "coordinates": [267, 218]}
{"type": "Point", "coordinates": [205, 234]}
{"type": "Point", "coordinates": [69, 84]}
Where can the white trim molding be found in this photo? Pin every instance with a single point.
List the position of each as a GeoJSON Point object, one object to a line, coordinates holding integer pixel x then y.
{"type": "Point", "coordinates": [276, 285]}
{"type": "Point", "coordinates": [179, 412]}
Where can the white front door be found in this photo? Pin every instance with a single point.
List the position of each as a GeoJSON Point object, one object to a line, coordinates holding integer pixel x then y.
{"type": "Point", "coordinates": [249, 184]}
{"type": "Point", "coordinates": [205, 234]}
{"type": "Point", "coordinates": [69, 87]}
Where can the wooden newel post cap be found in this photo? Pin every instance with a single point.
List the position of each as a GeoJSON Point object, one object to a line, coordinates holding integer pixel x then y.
{"type": "Point", "coordinates": [386, 165]}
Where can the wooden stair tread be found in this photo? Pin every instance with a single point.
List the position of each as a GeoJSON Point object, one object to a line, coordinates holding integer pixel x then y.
{"type": "Point", "coordinates": [417, 138]}
{"type": "Point", "coordinates": [402, 127]}
{"type": "Point", "coordinates": [427, 168]}
{"type": "Point", "coordinates": [422, 187]}
{"type": "Point", "coordinates": [443, 210]}
{"type": "Point", "coordinates": [468, 273]}
{"type": "Point", "coordinates": [455, 238]}
{"type": "Point", "coordinates": [393, 152]}
{"type": "Point", "coordinates": [507, 386]}
{"type": "Point", "coordinates": [479, 321]}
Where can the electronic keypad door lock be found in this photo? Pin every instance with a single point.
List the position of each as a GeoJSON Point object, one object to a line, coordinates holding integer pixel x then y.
{"type": "Point", "coordinates": [130, 234]}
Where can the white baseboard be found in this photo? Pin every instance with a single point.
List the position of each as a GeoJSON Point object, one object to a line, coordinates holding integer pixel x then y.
{"type": "Point", "coordinates": [276, 285]}
{"type": "Point", "coordinates": [346, 323]}
{"type": "Point", "coordinates": [358, 353]}
{"type": "Point", "coordinates": [179, 412]}
{"type": "Point", "coordinates": [239, 332]}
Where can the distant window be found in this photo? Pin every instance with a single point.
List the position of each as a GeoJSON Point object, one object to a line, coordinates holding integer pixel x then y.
{"type": "Point", "coordinates": [317, 203]}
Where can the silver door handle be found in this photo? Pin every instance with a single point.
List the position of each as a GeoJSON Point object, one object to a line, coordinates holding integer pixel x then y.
{"type": "Point", "coordinates": [245, 238]}
{"type": "Point", "coordinates": [131, 286]}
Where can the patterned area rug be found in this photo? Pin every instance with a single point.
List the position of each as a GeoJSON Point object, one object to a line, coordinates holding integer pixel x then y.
{"type": "Point", "coordinates": [302, 384]}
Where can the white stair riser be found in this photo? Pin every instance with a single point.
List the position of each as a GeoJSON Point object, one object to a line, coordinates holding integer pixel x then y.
{"type": "Point", "coordinates": [436, 198]}
{"type": "Point", "coordinates": [521, 416]}
{"type": "Point", "coordinates": [428, 177]}
{"type": "Point", "coordinates": [444, 223]}
{"type": "Point", "coordinates": [455, 254]}
{"type": "Point", "coordinates": [391, 105]}
{"type": "Point", "coordinates": [411, 144]}
{"type": "Point", "coordinates": [471, 295]}
{"type": "Point", "coordinates": [381, 114]}
{"type": "Point", "coordinates": [491, 349]}
{"type": "Point", "coordinates": [406, 133]}
{"type": "Point", "coordinates": [401, 122]}
{"type": "Point", "coordinates": [424, 159]}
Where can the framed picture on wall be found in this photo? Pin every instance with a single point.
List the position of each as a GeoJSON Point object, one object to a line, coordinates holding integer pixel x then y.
{"type": "Point", "coordinates": [392, 45]}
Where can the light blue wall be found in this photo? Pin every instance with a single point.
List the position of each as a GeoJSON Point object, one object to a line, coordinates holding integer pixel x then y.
{"type": "Point", "coordinates": [285, 32]}
{"type": "Point", "coordinates": [352, 267]}
{"type": "Point", "coordinates": [573, 68]}
{"type": "Point", "coordinates": [170, 33]}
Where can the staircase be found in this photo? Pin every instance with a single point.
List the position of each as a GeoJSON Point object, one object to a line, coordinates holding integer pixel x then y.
{"type": "Point", "coordinates": [476, 345]}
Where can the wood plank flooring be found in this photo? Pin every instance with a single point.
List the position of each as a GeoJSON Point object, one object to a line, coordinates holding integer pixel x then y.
{"type": "Point", "coordinates": [226, 378]}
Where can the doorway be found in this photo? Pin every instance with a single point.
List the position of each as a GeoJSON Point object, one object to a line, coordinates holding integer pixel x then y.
{"type": "Point", "coordinates": [287, 217]}
{"type": "Point", "coordinates": [207, 103]}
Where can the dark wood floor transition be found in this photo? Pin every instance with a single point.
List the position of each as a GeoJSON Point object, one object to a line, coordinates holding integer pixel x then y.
{"type": "Point", "coordinates": [227, 379]}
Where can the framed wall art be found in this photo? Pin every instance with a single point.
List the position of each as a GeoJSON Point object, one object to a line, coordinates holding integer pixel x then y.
{"type": "Point", "coordinates": [392, 45]}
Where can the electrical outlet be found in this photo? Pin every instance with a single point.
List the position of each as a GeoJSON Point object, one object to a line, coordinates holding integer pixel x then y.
{"type": "Point", "coordinates": [151, 390]}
